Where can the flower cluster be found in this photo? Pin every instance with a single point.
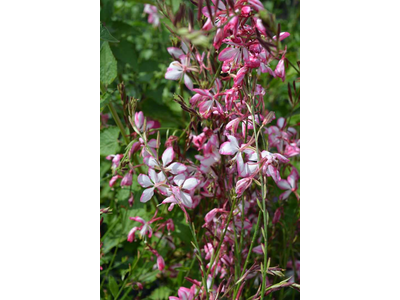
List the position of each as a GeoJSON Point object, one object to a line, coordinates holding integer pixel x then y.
{"type": "Point", "coordinates": [244, 154]}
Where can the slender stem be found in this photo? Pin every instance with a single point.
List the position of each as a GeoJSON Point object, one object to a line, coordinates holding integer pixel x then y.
{"type": "Point", "coordinates": [118, 121]}
{"type": "Point", "coordinates": [293, 66]}
{"type": "Point", "coordinates": [249, 253]}
{"type": "Point", "coordinates": [265, 235]}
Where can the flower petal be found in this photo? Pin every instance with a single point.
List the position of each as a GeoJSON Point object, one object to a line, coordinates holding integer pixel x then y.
{"type": "Point", "coordinates": [179, 179]}
{"type": "Point", "coordinates": [177, 168]}
{"type": "Point", "coordinates": [188, 82]}
{"type": "Point", "coordinates": [283, 184]}
{"type": "Point", "coordinates": [168, 156]}
{"type": "Point", "coordinates": [190, 183]}
{"type": "Point", "coordinates": [147, 195]}
{"type": "Point", "coordinates": [186, 199]}
{"type": "Point", "coordinates": [228, 54]}
{"type": "Point", "coordinates": [144, 180]}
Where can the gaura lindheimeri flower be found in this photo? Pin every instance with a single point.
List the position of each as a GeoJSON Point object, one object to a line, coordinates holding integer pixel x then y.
{"type": "Point", "coordinates": [183, 190]}
{"type": "Point", "coordinates": [167, 164]}
{"type": "Point", "coordinates": [289, 184]}
{"type": "Point", "coordinates": [151, 182]}
{"type": "Point", "coordinates": [139, 122]}
{"type": "Point", "coordinates": [145, 229]}
{"type": "Point", "coordinates": [154, 17]}
{"type": "Point", "coordinates": [177, 70]}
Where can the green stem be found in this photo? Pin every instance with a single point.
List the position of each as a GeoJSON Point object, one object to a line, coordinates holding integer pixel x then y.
{"type": "Point", "coordinates": [118, 121]}
{"type": "Point", "coordinates": [249, 253]}
{"type": "Point", "coordinates": [265, 233]}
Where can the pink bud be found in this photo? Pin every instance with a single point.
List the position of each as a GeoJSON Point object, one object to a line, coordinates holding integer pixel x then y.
{"type": "Point", "coordinates": [131, 199]}
{"type": "Point", "coordinates": [277, 216]}
{"type": "Point", "coordinates": [139, 119]}
{"type": "Point", "coordinates": [170, 225]}
{"type": "Point", "coordinates": [252, 62]}
{"type": "Point", "coordinates": [246, 11]}
{"type": "Point", "coordinates": [127, 180]}
{"type": "Point", "coordinates": [280, 69]}
{"type": "Point", "coordinates": [242, 185]}
{"type": "Point", "coordinates": [113, 180]}
{"type": "Point", "coordinates": [135, 147]}
{"type": "Point", "coordinates": [160, 263]}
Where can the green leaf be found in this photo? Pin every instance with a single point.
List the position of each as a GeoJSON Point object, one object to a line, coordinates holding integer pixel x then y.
{"type": "Point", "coordinates": [109, 141]}
{"type": "Point", "coordinates": [105, 35]}
{"type": "Point", "coordinates": [113, 286]}
{"type": "Point", "coordinates": [104, 100]}
{"type": "Point", "coordinates": [108, 64]}
{"type": "Point", "coordinates": [161, 293]}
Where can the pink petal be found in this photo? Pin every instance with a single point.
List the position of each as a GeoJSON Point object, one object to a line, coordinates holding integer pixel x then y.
{"type": "Point", "coordinates": [282, 36]}
{"type": "Point", "coordinates": [138, 219]}
{"type": "Point", "coordinates": [258, 250]}
{"type": "Point", "coordinates": [285, 195]}
{"type": "Point", "coordinates": [228, 54]}
{"type": "Point", "coordinates": [283, 184]}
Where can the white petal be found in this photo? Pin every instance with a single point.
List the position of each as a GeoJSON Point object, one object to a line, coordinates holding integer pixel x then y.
{"type": "Point", "coordinates": [188, 82]}
{"type": "Point", "coordinates": [284, 185]}
{"type": "Point", "coordinates": [177, 168]}
{"type": "Point", "coordinates": [190, 183]}
{"type": "Point", "coordinates": [160, 177]}
{"type": "Point", "coordinates": [144, 180]}
{"type": "Point", "coordinates": [147, 194]}
{"type": "Point", "coordinates": [168, 156]}
{"type": "Point", "coordinates": [153, 175]}
{"type": "Point", "coordinates": [173, 73]}
{"type": "Point", "coordinates": [179, 179]}
{"type": "Point", "coordinates": [186, 199]}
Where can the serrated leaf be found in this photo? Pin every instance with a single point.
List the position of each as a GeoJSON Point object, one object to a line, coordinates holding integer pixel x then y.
{"type": "Point", "coordinates": [108, 64]}
{"type": "Point", "coordinates": [109, 141]}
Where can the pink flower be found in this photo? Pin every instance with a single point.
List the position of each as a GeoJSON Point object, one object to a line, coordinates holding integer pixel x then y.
{"type": "Point", "coordinates": [151, 182]}
{"type": "Point", "coordinates": [242, 185]}
{"type": "Point", "coordinates": [181, 192]}
{"type": "Point", "coordinates": [231, 147]}
{"type": "Point", "coordinates": [212, 213]}
{"type": "Point", "coordinates": [154, 17]}
{"type": "Point", "coordinates": [167, 164]}
{"type": "Point", "coordinates": [139, 122]}
{"type": "Point", "coordinates": [177, 70]}
{"type": "Point", "coordinates": [115, 160]}
{"type": "Point", "coordinates": [145, 229]}
{"type": "Point", "coordinates": [290, 185]}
